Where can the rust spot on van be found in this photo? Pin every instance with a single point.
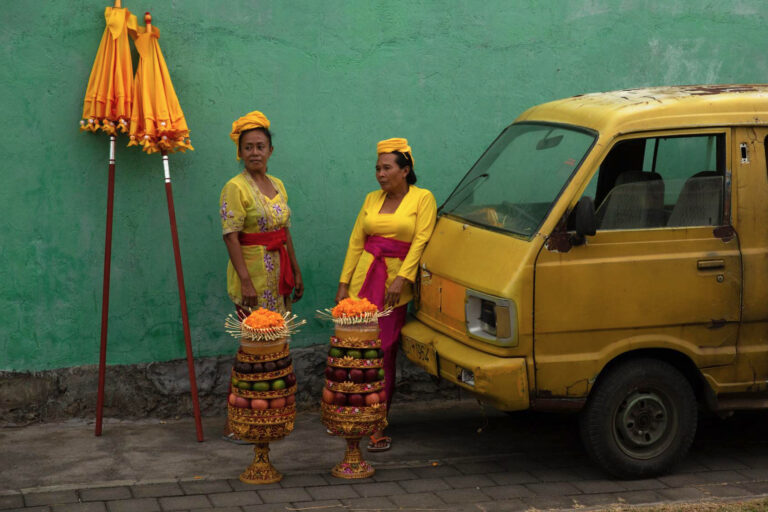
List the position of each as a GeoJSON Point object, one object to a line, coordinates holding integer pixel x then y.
{"type": "Point", "coordinates": [703, 90]}
{"type": "Point", "coordinates": [724, 233]}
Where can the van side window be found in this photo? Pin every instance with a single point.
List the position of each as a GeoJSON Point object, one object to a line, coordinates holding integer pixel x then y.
{"type": "Point", "coordinates": [661, 182]}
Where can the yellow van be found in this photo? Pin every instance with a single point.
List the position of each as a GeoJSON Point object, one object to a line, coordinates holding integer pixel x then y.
{"type": "Point", "coordinates": [608, 254]}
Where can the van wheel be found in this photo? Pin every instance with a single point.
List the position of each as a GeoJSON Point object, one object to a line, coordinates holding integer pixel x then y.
{"type": "Point", "coordinates": [640, 419]}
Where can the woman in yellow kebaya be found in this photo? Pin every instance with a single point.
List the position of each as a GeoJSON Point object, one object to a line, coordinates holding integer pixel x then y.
{"type": "Point", "coordinates": [385, 246]}
{"type": "Point", "coordinates": [255, 220]}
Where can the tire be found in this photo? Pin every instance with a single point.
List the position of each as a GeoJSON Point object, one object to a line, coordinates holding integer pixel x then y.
{"type": "Point", "coordinates": [640, 419]}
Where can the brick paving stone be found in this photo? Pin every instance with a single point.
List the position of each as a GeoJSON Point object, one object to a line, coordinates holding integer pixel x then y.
{"type": "Point", "coordinates": [721, 477]}
{"type": "Point", "coordinates": [11, 501]}
{"type": "Point", "coordinates": [721, 463]}
{"type": "Point", "coordinates": [205, 486]}
{"type": "Point", "coordinates": [91, 506]}
{"type": "Point", "coordinates": [755, 461]}
{"type": "Point", "coordinates": [755, 487]}
{"type": "Point", "coordinates": [681, 479]}
{"type": "Point", "coordinates": [689, 466]}
{"type": "Point", "coordinates": [50, 498]}
{"type": "Point", "coordinates": [105, 494]}
{"type": "Point", "coordinates": [390, 475]}
{"type": "Point", "coordinates": [553, 488]}
{"type": "Point", "coordinates": [235, 499]}
{"type": "Point", "coordinates": [184, 502]}
{"type": "Point", "coordinates": [333, 480]}
{"type": "Point", "coordinates": [436, 471]}
{"type": "Point", "coordinates": [513, 477]}
{"type": "Point", "coordinates": [302, 481]}
{"type": "Point", "coordinates": [335, 492]}
{"type": "Point", "coordinates": [501, 506]}
{"type": "Point", "coordinates": [156, 490]}
{"type": "Point", "coordinates": [547, 502]}
{"type": "Point", "coordinates": [377, 502]}
{"type": "Point", "coordinates": [598, 486]}
{"type": "Point", "coordinates": [324, 505]}
{"type": "Point", "coordinates": [284, 495]}
{"type": "Point", "coordinates": [639, 497]}
{"type": "Point", "coordinates": [682, 493]}
{"type": "Point", "coordinates": [455, 496]}
{"type": "Point", "coordinates": [134, 505]}
{"type": "Point", "coordinates": [642, 485]}
{"type": "Point", "coordinates": [504, 492]}
{"type": "Point", "coordinates": [424, 485]}
{"type": "Point", "coordinates": [460, 482]}
{"type": "Point", "coordinates": [725, 491]}
{"type": "Point", "coordinates": [267, 507]}
{"type": "Point", "coordinates": [515, 464]}
{"type": "Point", "coordinates": [480, 468]}
{"type": "Point", "coordinates": [217, 509]}
{"type": "Point", "coordinates": [555, 475]}
{"type": "Point", "coordinates": [754, 474]}
{"type": "Point", "coordinates": [30, 509]}
{"type": "Point", "coordinates": [595, 500]}
{"type": "Point", "coordinates": [237, 485]}
{"type": "Point", "coordinates": [374, 489]}
{"type": "Point", "coordinates": [417, 500]}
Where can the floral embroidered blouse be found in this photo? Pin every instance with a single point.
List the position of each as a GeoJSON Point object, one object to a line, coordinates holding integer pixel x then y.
{"type": "Point", "coordinates": [243, 207]}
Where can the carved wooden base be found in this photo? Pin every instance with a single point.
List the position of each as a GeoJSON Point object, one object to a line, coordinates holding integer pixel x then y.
{"type": "Point", "coordinates": [261, 470]}
{"type": "Point", "coordinates": [353, 466]}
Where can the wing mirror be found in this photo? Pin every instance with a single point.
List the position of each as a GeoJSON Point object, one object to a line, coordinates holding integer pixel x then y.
{"type": "Point", "coordinates": [584, 220]}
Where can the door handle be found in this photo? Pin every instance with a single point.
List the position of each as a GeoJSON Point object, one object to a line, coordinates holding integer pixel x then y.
{"type": "Point", "coordinates": [710, 264]}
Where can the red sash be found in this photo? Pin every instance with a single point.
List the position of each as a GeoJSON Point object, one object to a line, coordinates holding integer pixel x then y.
{"type": "Point", "coordinates": [274, 241]}
{"type": "Point", "coordinates": [375, 282]}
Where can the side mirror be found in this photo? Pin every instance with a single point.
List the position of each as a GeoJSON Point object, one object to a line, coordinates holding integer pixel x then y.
{"type": "Point", "coordinates": [584, 220]}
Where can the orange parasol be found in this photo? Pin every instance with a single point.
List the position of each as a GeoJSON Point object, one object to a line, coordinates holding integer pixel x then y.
{"type": "Point", "coordinates": [158, 124]}
{"type": "Point", "coordinates": [107, 107]}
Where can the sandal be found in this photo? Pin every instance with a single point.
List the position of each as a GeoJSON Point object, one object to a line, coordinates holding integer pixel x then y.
{"type": "Point", "coordinates": [232, 438]}
{"type": "Point", "coordinates": [375, 445]}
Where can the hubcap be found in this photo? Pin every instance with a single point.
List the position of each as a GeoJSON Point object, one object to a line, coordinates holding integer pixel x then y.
{"type": "Point", "coordinates": [643, 424]}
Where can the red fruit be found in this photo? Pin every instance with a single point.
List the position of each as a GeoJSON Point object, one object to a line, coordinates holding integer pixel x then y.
{"type": "Point", "coordinates": [231, 399]}
{"type": "Point", "coordinates": [382, 396]}
{"type": "Point", "coordinates": [258, 403]}
{"type": "Point", "coordinates": [290, 400]}
{"type": "Point", "coordinates": [340, 399]}
{"type": "Point", "coordinates": [371, 398]}
{"type": "Point", "coordinates": [242, 402]}
{"type": "Point", "coordinates": [277, 403]}
{"type": "Point", "coordinates": [340, 374]}
{"type": "Point", "coordinates": [329, 372]}
{"type": "Point", "coordinates": [356, 375]}
{"type": "Point", "coordinates": [355, 400]}
{"type": "Point", "coordinates": [371, 375]}
{"type": "Point", "coordinates": [290, 379]}
{"type": "Point", "coordinates": [328, 396]}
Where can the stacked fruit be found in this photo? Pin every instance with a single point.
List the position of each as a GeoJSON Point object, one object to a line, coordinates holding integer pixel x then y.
{"type": "Point", "coordinates": [263, 381]}
{"type": "Point", "coordinates": [354, 373]}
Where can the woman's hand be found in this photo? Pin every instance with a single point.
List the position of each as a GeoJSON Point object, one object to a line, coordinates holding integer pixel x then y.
{"type": "Point", "coordinates": [248, 292]}
{"type": "Point", "coordinates": [298, 287]}
{"type": "Point", "coordinates": [343, 292]}
{"type": "Point", "coordinates": [393, 292]}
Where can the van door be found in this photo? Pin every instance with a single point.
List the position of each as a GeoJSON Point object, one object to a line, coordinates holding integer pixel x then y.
{"type": "Point", "coordinates": [663, 271]}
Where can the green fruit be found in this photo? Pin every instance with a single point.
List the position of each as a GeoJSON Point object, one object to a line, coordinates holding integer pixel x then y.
{"type": "Point", "coordinates": [244, 384]}
{"type": "Point", "coordinates": [381, 373]}
{"type": "Point", "coordinates": [278, 384]}
{"type": "Point", "coordinates": [371, 354]}
{"type": "Point", "coordinates": [235, 381]}
{"type": "Point", "coordinates": [355, 354]}
{"type": "Point", "coordinates": [336, 352]}
{"type": "Point", "coordinates": [260, 385]}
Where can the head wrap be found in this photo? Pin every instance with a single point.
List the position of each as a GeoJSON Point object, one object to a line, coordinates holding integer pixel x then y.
{"type": "Point", "coordinates": [396, 144]}
{"type": "Point", "coordinates": [249, 121]}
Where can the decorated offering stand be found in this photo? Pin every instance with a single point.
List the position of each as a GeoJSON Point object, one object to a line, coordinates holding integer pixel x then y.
{"type": "Point", "coordinates": [262, 399]}
{"type": "Point", "coordinates": [354, 400]}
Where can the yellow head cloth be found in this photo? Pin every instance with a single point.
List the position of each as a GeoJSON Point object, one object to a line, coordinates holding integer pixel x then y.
{"type": "Point", "coordinates": [396, 144]}
{"type": "Point", "coordinates": [249, 121]}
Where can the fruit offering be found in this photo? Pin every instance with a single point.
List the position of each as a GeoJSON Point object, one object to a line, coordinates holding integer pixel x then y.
{"type": "Point", "coordinates": [353, 399]}
{"type": "Point", "coordinates": [261, 404]}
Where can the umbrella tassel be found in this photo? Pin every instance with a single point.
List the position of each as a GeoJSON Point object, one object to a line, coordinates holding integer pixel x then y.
{"type": "Point", "coordinates": [183, 298]}
{"type": "Point", "coordinates": [105, 290]}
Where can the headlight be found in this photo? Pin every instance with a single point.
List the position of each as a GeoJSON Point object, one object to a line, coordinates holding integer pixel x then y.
{"type": "Point", "coordinates": [491, 318]}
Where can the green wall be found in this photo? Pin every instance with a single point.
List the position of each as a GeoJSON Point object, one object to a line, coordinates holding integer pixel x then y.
{"type": "Point", "coordinates": [334, 77]}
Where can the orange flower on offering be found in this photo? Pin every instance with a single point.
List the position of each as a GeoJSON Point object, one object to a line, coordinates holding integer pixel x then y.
{"type": "Point", "coordinates": [264, 319]}
{"type": "Point", "coordinates": [351, 307]}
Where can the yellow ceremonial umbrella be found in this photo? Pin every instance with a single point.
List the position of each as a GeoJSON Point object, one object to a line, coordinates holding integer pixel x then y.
{"type": "Point", "coordinates": [107, 107]}
{"type": "Point", "coordinates": [158, 125]}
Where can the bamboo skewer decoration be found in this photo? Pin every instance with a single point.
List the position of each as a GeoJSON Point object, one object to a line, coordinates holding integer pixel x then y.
{"type": "Point", "coordinates": [362, 318]}
{"type": "Point", "coordinates": [237, 328]}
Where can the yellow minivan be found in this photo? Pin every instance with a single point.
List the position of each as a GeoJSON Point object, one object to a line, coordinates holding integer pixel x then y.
{"type": "Point", "coordinates": [608, 254]}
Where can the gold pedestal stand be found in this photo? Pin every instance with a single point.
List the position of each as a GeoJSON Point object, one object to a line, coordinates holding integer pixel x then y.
{"type": "Point", "coordinates": [261, 427]}
{"type": "Point", "coordinates": [261, 471]}
{"type": "Point", "coordinates": [353, 465]}
{"type": "Point", "coordinates": [352, 423]}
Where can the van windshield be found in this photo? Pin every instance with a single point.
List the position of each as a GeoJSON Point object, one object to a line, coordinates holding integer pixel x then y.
{"type": "Point", "coordinates": [514, 184]}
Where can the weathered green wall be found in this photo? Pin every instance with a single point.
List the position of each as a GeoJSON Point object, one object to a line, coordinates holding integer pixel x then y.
{"type": "Point", "coordinates": [334, 77]}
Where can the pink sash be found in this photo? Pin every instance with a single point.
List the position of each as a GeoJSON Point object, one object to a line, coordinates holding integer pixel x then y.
{"type": "Point", "coordinates": [374, 286]}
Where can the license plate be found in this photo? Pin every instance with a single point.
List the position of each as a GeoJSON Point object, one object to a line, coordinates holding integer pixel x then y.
{"type": "Point", "coordinates": [421, 354]}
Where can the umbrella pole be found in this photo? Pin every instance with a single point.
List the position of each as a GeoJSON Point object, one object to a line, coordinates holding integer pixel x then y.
{"type": "Point", "coordinates": [182, 295]}
{"type": "Point", "coordinates": [105, 290]}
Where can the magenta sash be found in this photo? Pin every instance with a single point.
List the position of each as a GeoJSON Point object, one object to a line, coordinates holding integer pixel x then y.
{"type": "Point", "coordinates": [374, 286]}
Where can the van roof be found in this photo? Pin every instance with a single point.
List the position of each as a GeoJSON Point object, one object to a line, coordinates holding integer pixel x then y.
{"type": "Point", "coordinates": [658, 108]}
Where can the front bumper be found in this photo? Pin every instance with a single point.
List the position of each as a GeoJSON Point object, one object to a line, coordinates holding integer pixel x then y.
{"type": "Point", "coordinates": [499, 381]}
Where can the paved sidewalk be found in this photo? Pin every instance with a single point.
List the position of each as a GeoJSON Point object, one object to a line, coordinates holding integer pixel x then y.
{"type": "Point", "coordinates": [448, 456]}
